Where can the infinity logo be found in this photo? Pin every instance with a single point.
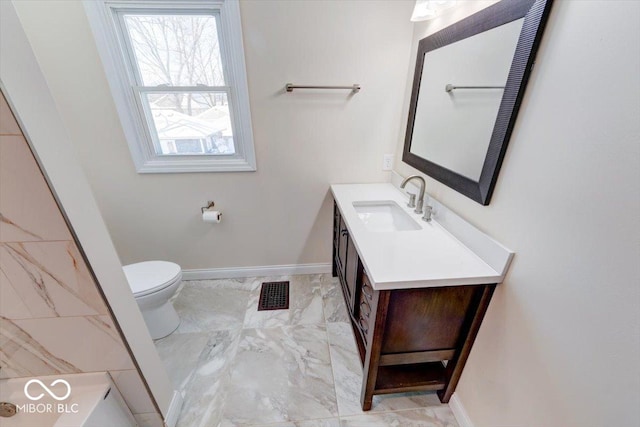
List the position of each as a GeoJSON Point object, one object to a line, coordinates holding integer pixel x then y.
{"type": "Point", "coordinates": [51, 393]}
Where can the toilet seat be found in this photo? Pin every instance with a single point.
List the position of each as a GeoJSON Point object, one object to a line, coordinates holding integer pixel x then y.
{"type": "Point", "coordinates": [149, 277]}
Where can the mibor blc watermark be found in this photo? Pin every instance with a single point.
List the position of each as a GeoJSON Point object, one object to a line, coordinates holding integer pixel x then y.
{"type": "Point", "coordinates": [31, 389]}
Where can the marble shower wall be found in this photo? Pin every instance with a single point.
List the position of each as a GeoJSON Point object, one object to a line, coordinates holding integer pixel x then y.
{"type": "Point", "coordinates": [53, 319]}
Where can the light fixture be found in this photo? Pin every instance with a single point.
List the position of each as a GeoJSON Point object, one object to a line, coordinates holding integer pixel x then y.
{"type": "Point", "coordinates": [429, 9]}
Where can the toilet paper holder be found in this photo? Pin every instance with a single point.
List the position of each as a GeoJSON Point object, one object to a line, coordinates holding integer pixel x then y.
{"type": "Point", "coordinates": [210, 204]}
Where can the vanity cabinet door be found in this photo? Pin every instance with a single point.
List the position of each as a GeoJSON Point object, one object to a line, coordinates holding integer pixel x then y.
{"type": "Point", "coordinates": [335, 264]}
{"type": "Point", "coordinates": [353, 271]}
{"type": "Point", "coordinates": [342, 247]}
{"type": "Point", "coordinates": [336, 227]}
{"type": "Point", "coordinates": [339, 243]}
{"type": "Point", "coordinates": [342, 256]}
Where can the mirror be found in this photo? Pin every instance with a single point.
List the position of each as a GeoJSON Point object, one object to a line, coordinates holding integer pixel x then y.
{"type": "Point", "coordinates": [468, 85]}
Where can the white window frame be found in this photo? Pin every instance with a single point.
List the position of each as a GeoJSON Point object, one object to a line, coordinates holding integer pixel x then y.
{"type": "Point", "coordinates": [113, 51]}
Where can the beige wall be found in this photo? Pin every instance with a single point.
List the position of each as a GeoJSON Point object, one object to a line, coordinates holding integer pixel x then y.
{"type": "Point", "coordinates": [560, 343]}
{"type": "Point", "coordinates": [304, 141]}
{"type": "Point", "coordinates": [53, 319]}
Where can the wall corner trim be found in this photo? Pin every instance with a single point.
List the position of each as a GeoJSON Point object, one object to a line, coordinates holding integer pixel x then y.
{"type": "Point", "coordinates": [459, 412]}
{"type": "Point", "coordinates": [174, 409]}
{"type": "Point", "coordinates": [267, 270]}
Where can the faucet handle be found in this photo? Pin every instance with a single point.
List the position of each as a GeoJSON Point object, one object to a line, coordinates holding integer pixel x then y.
{"type": "Point", "coordinates": [428, 213]}
{"type": "Point", "coordinates": [412, 200]}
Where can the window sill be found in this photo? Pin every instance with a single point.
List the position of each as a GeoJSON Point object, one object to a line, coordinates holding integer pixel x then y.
{"type": "Point", "coordinates": [173, 165]}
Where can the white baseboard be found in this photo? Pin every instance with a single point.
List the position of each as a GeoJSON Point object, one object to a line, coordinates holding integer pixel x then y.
{"type": "Point", "coordinates": [267, 270]}
{"type": "Point", "coordinates": [459, 412]}
{"type": "Point", "coordinates": [175, 406]}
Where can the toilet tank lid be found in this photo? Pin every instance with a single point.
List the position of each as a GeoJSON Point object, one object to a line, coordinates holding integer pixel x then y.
{"type": "Point", "coordinates": [144, 276]}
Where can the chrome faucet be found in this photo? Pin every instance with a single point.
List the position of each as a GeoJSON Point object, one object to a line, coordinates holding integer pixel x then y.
{"type": "Point", "coordinates": [418, 203]}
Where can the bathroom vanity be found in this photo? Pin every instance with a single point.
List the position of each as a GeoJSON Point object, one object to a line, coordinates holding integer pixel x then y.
{"type": "Point", "coordinates": [416, 291]}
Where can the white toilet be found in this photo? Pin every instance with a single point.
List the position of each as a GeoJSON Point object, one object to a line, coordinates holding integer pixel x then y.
{"type": "Point", "coordinates": [153, 283]}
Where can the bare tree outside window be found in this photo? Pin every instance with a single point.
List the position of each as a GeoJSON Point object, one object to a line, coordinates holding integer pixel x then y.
{"type": "Point", "coordinates": [179, 53]}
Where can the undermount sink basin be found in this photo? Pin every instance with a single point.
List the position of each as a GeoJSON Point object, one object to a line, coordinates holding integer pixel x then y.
{"type": "Point", "coordinates": [384, 215]}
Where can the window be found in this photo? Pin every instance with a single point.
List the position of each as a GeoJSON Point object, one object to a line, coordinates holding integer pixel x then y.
{"type": "Point", "coordinates": [176, 71]}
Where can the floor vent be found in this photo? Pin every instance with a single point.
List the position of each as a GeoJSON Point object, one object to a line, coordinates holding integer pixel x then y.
{"type": "Point", "coordinates": [274, 296]}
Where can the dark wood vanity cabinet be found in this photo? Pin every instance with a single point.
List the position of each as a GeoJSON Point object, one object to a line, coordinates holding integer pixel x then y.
{"type": "Point", "coordinates": [346, 263]}
{"type": "Point", "coordinates": [409, 339]}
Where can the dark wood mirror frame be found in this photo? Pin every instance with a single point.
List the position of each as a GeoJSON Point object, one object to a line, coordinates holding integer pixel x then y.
{"type": "Point", "coordinates": [535, 13]}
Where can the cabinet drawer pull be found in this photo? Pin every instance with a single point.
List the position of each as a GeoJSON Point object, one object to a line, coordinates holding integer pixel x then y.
{"type": "Point", "coordinates": [365, 309]}
{"type": "Point", "coordinates": [344, 232]}
{"type": "Point", "coordinates": [364, 326]}
{"type": "Point", "coordinates": [366, 284]}
{"type": "Point", "coordinates": [367, 293]}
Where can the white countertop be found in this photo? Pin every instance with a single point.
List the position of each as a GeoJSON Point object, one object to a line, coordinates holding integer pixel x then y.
{"type": "Point", "coordinates": [429, 257]}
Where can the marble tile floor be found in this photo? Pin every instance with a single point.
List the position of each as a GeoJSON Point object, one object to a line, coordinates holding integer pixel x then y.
{"type": "Point", "coordinates": [237, 366]}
